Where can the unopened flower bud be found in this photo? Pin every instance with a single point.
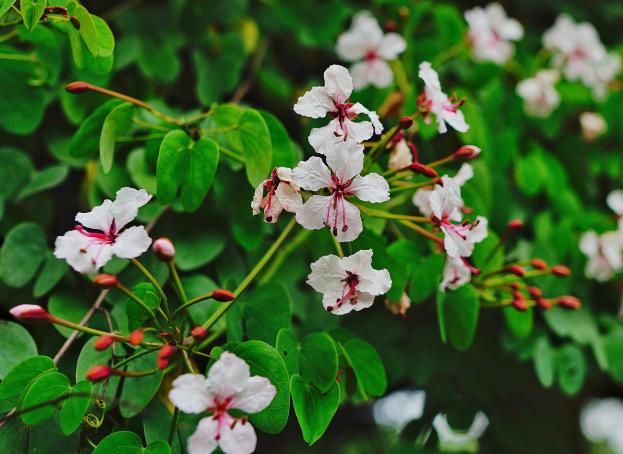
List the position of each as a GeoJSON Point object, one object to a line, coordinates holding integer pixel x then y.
{"type": "Point", "coordinates": [561, 270]}
{"type": "Point", "coordinates": [539, 264]}
{"type": "Point", "coordinates": [517, 270]}
{"type": "Point", "coordinates": [520, 304]}
{"type": "Point", "coordinates": [405, 123]}
{"type": "Point", "coordinates": [535, 291]}
{"type": "Point", "coordinates": [390, 26]}
{"type": "Point", "coordinates": [106, 280]}
{"type": "Point", "coordinates": [569, 302]}
{"type": "Point", "coordinates": [60, 10]}
{"type": "Point", "coordinates": [103, 342]}
{"type": "Point", "coordinates": [515, 224]}
{"type": "Point", "coordinates": [466, 152]}
{"type": "Point", "coordinates": [543, 303]}
{"type": "Point", "coordinates": [418, 167]}
{"type": "Point", "coordinates": [29, 312]}
{"type": "Point", "coordinates": [136, 337]}
{"type": "Point", "coordinates": [98, 373]}
{"type": "Point", "coordinates": [593, 125]}
{"type": "Point", "coordinates": [164, 249]}
{"type": "Point", "coordinates": [222, 295]}
{"type": "Point", "coordinates": [199, 332]}
{"type": "Point", "coordinates": [515, 285]}
{"type": "Point", "coordinates": [78, 87]}
{"type": "Point", "coordinates": [167, 351]}
{"type": "Point", "coordinates": [414, 152]}
{"type": "Point", "coordinates": [162, 363]}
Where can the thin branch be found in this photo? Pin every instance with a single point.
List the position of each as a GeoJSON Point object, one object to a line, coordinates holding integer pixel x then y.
{"type": "Point", "coordinates": [254, 66]}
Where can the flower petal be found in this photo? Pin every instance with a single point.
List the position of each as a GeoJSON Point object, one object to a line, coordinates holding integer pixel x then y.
{"type": "Point", "coordinates": [126, 205]}
{"type": "Point", "coordinates": [455, 119]}
{"type": "Point", "coordinates": [326, 274]}
{"type": "Point", "coordinates": [615, 201]}
{"type": "Point", "coordinates": [258, 195]}
{"type": "Point", "coordinates": [392, 45]}
{"type": "Point", "coordinates": [365, 34]}
{"type": "Point", "coordinates": [358, 109]}
{"type": "Point", "coordinates": [465, 173]}
{"type": "Point", "coordinates": [99, 218]}
{"type": "Point", "coordinates": [421, 199]}
{"type": "Point", "coordinates": [131, 242]}
{"type": "Point", "coordinates": [203, 440]}
{"type": "Point", "coordinates": [312, 174]}
{"type": "Point", "coordinates": [190, 394]}
{"type": "Point", "coordinates": [313, 214]}
{"type": "Point", "coordinates": [322, 139]}
{"type": "Point", "coordinates": [345, 159]}
{"type": "Point", "coordinates": [83, 254]}
{"type": "Point", "coordinates": [455, 274]}
{"type": "Point", "coordinates": [338, 83]}
{"type": "Point", "coordinates": [353, 222]}
{"type": "Point", "coordinates": [228, 376]}
{"type": "Point", "coordinates": [239, 440]}
{"type": "Point", "coordinates": [256, 395]}
{"type": "Point", "coordinates": [289, 198]}
{"type": "Point", "coordinates": [316, 103]}
{"type": "Point", "coordinates": [371, 188]}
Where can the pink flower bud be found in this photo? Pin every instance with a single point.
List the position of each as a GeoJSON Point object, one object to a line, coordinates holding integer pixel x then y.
{"type": "Point", "coordinates": [539, 264]}
{"type": "Point", "coordinates": [516, 270]}
{"type": "Point", "coordinates": [222, 295]}
{"type": "Point", "coordinates": [136, 337]}
{"type": "Point", "coordinates": [466, 152]}
{"type": "Point", "coordinates": [570, 302]}
{"type": "Point", "coordinates": [106, 280]}
{"type": "Point", "coordinates": [162, 363]}
{"type": "Point", "coordinates": [418, 167]}
{"type": "Point", "coordinates": [103, 342]}
{"type": "Point", "coordinates": [30, 312]}
{"type": "Point", "coordinates": [535, 291]}
{"type": "Point", "coordinates": [520, 304]}
{"type": "Point", "coordinates": [78, 87]}
{"type": "Point", "coordinates": [543, 303]}
{"type": "Point", "coordinates": [167, 351]}
{"type": "Point", "coordinates": [561, 270]}
{"type": "Point", "coordinates": [199, 332]}
{"type": "Point", "coordinates": [515, 224]}
{"type": "Point", "coordinates": [99, 373]}
{"type": "Point", "coordinates": [405, 123]}
{"type": "Point", "coordinates": [164, 249]}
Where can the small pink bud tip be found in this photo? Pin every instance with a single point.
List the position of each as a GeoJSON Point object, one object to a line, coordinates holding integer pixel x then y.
{"type": "Point", "coordinates": [99, 373]}
{"type": "Point", "coordinates": [425, 170]}
{"type": "Point", "coordinates": [515, 224]}
{"type": "Point", "coordinates": [466, 152]}
{"type": "Point", "coordinates": [535, 292]}
{"type": "Point", "coordinates": [539, 264]}
{"type": "Point", "coordinates": [29, 312]}
{"type": "Point", "coordinates": [164, 249]}
{"type": "Point", "coordinates": [543, 303]}
{"type": "Point", "coordinates": [136, 337]}
{"type": "Point", "coordinates": [199, 332]}
{"type": "Point", "coordinates": [390, 26]}
{"type": "Point", "coordinates": [106, 280]}
{"type": "Point", "coordinates": [520, 304]}
{"type": "Point", "coordinates": [570, 302]}
{"type": "Point", "coordinates": [222, 295]}
{"type": "Point", "coordinates": [517, 270]}
{"type": "Point", "coordinates": [162, 363]}
{"type": "Point", "coordinates": [103, 342]}
{"type": "Point", "coordinates": [167, 351]}
{"type": "Point", "coordinates": [405, 123]}
{"type": "Point", "coordinates": [561, 270]}
{"type": "Point", "coordinates": [78, 87]}
{"type": "Point", "coordinates": [515, 285]}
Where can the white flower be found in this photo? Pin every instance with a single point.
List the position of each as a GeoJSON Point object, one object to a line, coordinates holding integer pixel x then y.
{"type": "Point", "coordinates": [421, 198]}
{"type": "Point", "coordinates": [593, 125]}
{"type": "Point", "coordinates": [604, 252]}
{"type": "Point", "coordinates": [332, 99]}
{"type": "Point", "coordinates": [334, 211]}
{"type": "Point", "coordinates": [283, 194]}
{"type": "Point", "coordinates": [435, 101]}
{"type": "Point", "coordinates": [365, 41]}
{"type": "Point", "coordinates": [581, 54]}
{"type": "Point", "coordinates": [456, 272]}
{"type": "Point", "coordinates": [539, 93]}
{"type": "Point", "coordinates": [615, 202]}
{"type": "Point", "coordinates": [401, 156]}
{"type": "Point", "coordinates": [601, 421]}
{"type": "Point", "coordinates": [399, 408]}
{"type": "Point", "coordinates": [459, 239]}
{"type": "Point", "coordinates": [449, 438]}
{"type": "Point", "coordinates": [101, 233]}
{"type": "Point", "coordinates": [229, 385]}
{"type": "Point", "coordinates": [348, 283]}
{"type": "Point", "coordinates": [491, 33]}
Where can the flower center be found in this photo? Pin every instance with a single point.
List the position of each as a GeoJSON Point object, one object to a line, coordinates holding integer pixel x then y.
{"type": "Point", "coordinates": [349, 291]}
{"type": "Point", "coordinates": [371, 55]}
{"type": "Point", "coordinates": [98, 238]}
{"type": "Point", "coordinates": [271, 185]}
{"type": "Point", "coordinates": [343, 114]}
{"type": "Point", "coordinates": [220, 415]}
{"type": "Point", "coordinates": [339, 190]}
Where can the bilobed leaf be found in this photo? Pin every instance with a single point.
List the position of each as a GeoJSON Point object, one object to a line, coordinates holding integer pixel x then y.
{"type": "Point", "coordinates": [256, 146]}
{"type": "Point", "coordinates": [22, 374]}
{"type": "Point", "coordinates": [458, 311]}
{"type": "Point", "coordinates": [543, 358]}
{"type": "Point", "coordinates": [117, 122]}
{"type": "Point", "coordinates": [75, 407]}
{"type": "Point", "coordinates": [288, 348]}
{"type": "Point", "coordinates": [137, 392]}
{"type": "Point", "coordinates": [105, 36]}
{"type": "Point", "coordinates": [518, 322]}
{"type": "Point", "coordinates": [88, 31]}
{"type": "Point", "coordinates": [267, 309]}
{"type": "Point", "coordinates": [425, 277]}
{"type": "Point", "coordinates": [201, 165]}
{"type": "Point", "coordinates": [318, 360]}
{"type": "Point", "coordinates": [122, 442]}
{"type": "Point", "coordinates": [68, 306]}
{"type": "Point", "coordinates": [5, 5]}
{"type": "Point", "coordinates": [51, 273]}
{"type": "Point", "coordinates": [23, 251]}
{"type": "Point", "coordinates": [89, 357]}
{"type": "Point", "coordinates": [197, 249]}
{"type": "Point", "coordinates": [15, 170]}
{"type": "Point", "coordinates": [571, 369]}
{"type": "Point", "coordinates": [85, 142]}
{"type": "Point", "coordinates": [367, 366]}
{"type": "Point", "coordinates": [45, 388]}
{"type": "Point", "coordinates": [171, 163]}
{"type": "Point", "coordinates": [32, 10]}
{"type": "Point", "coordinates": [285, 152]}
{"type": "Point", "coordinates": [16, 345]}
{"type": "Point", "coordinates": [45, 179]}
{"type": "Point", "coordinates": [314, 410]}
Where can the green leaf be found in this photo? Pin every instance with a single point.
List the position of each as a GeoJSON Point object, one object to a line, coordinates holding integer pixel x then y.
{"type": "Point", "coordinates": [88, 30]}
{"type": "Point", "coordinates": [75, 407]}
{"type": "Point", "coordinates": [288, 348]}
{"type": "Point", "coordinates": [519, 322]}
{"type": "Point", "coordinates": [367, 366]}
{"type": "Point", "coordinates": [22, 374]}
{"type": "Point", "coordinates": [16, 345]}
{"type": "Point", "coordinates": [125, 442]}
{"type": "Point", "coordinates": [68, 306]}
{"type": "Point", "coordinates": [45, 388]}
{"type": "Point", "coordinates": [171, 163]}
{"type": "Point", "coordinates": [117, 122]}
{"type": "Point", "coordinates": [106, 38]}
{"type": "Point", "coordinates": [86, 141]}
{"type": "Point", "coordinates": [267, 309]}
{"type": "Point", "coordinates": [23, 251]}
{"type": "Point", "coordinates": [285, 152]}
{"type": "Point", "coordinates": [318, 361]}
{"type": "Point", "coordinates": [32, 10]}
{"type": "Point", "coordinates": [201, 165]}
{"type": "Point", "coordinates": [197, 249]}
{"type": "Point", "coordinates": [45, 179]}
{"type": "Point", "coordinates": [15, 170]}
{"type": "Point", "coordinates": [425, 277]}
{"type": "Point", "coordinates": [137, 392]}
{"type": "Point", "coordinates": [137, 315]}
{"type": "Point", "coordinates": [89, 357]}
{"type": "Point", "coordinates": [543, 358]}
{"type": "Point", "coordinates": [51, 273]}
{"type": "Point", "coordinates": [571, 369]}
{"type": "Point", "coordinates": [140, 171]}
{"type": "Point", "coordinates": [265, 361]}
{"type": "Point", "coordinates": [314, 410]}
{"type": "Point", "coordinates": [458, 316]}
{"type": "Point", "coordinates": [5, 5]}
{"type": "Point", "coordinates": [256, 146]}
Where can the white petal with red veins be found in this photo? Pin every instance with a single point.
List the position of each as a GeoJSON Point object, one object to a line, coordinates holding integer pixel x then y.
{"type": "Point", "coordinates": [338, 83]}
{"type": "Point", "coordinates": [203, 440]}
{"type": "Point", "coordinates": [239, 440]}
